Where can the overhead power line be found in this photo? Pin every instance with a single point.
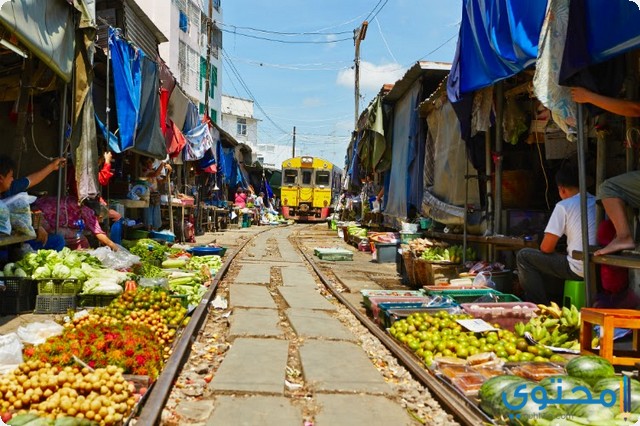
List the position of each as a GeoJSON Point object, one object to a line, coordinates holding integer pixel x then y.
{"type": "Point", "coordinates": [285, 33]}
{"type": "Point", "coordinates": [338, 40]}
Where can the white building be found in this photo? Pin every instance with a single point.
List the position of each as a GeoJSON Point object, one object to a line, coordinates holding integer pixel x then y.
{"type": "Point", "coordinates": [239, 122]}
{"type": "Point", "coordinates": [271, 155]}
{"type": "Point", "coordinates": [184, 22]}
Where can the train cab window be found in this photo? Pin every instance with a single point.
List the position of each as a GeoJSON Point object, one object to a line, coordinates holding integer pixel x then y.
{"type": "Point", "coordinates": [290, 177]}
{"type": "Point", "coordinates": [323, 178]}
{"type": "Point", "coordinates": [306, 177]}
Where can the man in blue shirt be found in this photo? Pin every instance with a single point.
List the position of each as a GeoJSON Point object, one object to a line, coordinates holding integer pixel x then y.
{"type": "Point", "coordinates": [10, 186]}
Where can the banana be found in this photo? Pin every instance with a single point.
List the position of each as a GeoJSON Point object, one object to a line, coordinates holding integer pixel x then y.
{"type": "Point", "coordinates": [550, 322]}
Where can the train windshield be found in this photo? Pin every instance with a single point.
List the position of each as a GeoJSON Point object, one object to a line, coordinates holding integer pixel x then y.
{"type": "Point", "coordinates": [306, 177]}
{"type": "Point", "coordinates": [290, 177]}
{"type": "Point", "coordinates": [323, 177]}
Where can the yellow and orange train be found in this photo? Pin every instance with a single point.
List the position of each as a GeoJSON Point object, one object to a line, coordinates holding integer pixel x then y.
{"type": "Point", "coordinates": [310, 188]}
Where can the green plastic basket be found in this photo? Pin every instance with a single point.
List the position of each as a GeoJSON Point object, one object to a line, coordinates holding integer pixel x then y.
{"type": "Point", "coordinates": [469, 296]}
{"type": "Point", "coordinates": [59, 286]}
{"type": "Point", "coordinates": [49, 304]}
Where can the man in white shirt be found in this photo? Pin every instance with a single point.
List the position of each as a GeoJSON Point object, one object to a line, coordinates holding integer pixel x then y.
{"type": "Point", "coordinates": [542, 272]}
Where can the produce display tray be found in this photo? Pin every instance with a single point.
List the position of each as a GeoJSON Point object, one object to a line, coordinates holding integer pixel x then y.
{"type": "Point", "coordinates": [96, 300]}
{"type": "Point", "coordinates": [505, 314]}
{"type": "Point", "coordinates": [54, 286]}
{"type": "Point", "coordinates": [395, 314]}
{"type": "Point", "coordinates": [333, 254]}
{"type": "Point", "coordinates": [470, 296]}
{"type": "Point", "coordinates": [375, 308]}
{"type": "Point", "coordinates": [367, 294]}
{"type": "Point", "coordinates": [49, 304]}
{"type": "Point", "coordinates": [19, 296]}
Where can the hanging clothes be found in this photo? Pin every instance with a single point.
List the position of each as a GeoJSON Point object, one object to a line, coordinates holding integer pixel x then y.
{"type": "Point", "coordinates": [127, 80]}
{"type": "Point", "coordinates": [198, 142]}
{"type": "Point", "coordinates": [178, 104]}
{"type": "Point", "coordinates": [164, 104]}
{"type": "Point", "coordinates": [192, 118]}
{"type": "Point", "coordinates": [149, 139]}
{"type": "Point", "coordinates": [175, 140]}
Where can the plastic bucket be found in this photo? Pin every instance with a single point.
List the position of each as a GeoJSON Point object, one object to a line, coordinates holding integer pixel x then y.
{"type": "Point", "coordinates": [425, 222]}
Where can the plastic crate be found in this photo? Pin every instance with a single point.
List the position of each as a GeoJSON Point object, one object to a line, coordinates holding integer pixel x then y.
{"type": "Point", "coordinates": [69, 287]}
{"type": "Point", "coordinates": [375, 307]}
{"type": "Point", "coordinates": [18, 297]}
{"type": "Point", "coordinates": [48, 304]}
{"type": "Point", "coordinates": [96, 300]}
{"type": "Point", "coordinates": [367, 294]}
{"type": "Point", "coordinates": [471, 296]}
{"type": "Point", "coordinates": [504, 314]}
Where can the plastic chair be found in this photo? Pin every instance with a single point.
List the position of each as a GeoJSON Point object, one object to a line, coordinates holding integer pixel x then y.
{"type": "Point", "coordinates": [574, 294]}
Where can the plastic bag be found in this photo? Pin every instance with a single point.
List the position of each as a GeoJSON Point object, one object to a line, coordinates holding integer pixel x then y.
{"type": "Point", "coordinates": [20, 213]}
{"type": "Point", "coordinates": [484, 279]}
{"type": "Point", "coordinates": [154, 282]}
{"type": "Point", "coordinates": [10, 352]}
{"type": "Point", "coordinates": [38, 332]}
{"type": "Point", "coordinates": [5, 219]}
{"type": "Point", "coordinates": [121, 259]}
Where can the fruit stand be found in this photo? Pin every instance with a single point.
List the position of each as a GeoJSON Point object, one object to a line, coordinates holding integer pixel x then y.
{"type": "Point", "coordinates": [510, 359]}
{"type": "Point", "coordinates": [98, 368]}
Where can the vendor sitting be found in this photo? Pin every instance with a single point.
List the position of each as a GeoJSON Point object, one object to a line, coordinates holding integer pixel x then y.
{"type": "Point", "coordinates": [10, 186]}
{"type": "Point", "coordinates": [74, 220]}
{"type": "Point", "coordinates": [542, 272]}
{"type": "Point", "coordinates": [240, 200]}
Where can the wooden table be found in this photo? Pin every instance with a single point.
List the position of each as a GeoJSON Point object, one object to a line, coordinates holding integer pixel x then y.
{"type": "Point", "coordinates": [609, 319]}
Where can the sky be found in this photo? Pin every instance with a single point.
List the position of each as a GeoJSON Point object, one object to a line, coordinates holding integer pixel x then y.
{"type": "Point", "coordinates": [310, 85]}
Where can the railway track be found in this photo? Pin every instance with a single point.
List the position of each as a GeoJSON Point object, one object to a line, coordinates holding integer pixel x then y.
{"type": "Point", "coordinates": [188, 377]}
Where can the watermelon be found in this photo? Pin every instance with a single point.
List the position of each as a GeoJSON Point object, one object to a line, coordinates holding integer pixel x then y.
{"type": "Point", "coordinates": [490, 393]}
{"type": "Point", "coordinates": [590, 368]}
{"type": "Point", "coordinates": [613, 383]}
{"type": "Point", "coordinates": [593, 412]}
{"type": "Point", "coordinates": [567, 383]}
{"type": "Point", "coordinates": [531, 408]}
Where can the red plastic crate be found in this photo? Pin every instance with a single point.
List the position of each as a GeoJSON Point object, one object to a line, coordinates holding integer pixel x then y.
{"type": "Point", "coordinates": [505, 314]}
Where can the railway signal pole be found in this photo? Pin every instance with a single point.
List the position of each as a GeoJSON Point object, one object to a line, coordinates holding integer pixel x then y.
{"type": "Point", "coordinates": [293, 153]}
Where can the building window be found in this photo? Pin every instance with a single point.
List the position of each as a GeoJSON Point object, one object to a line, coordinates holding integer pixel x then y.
{"type": "Point", "coordinates": [214, 116]}
{"type": "Point", "coordinates": [201, 108]}
{"type": "Point", "coordinates": [183, 22]}
{"type": "Point", "coordinates": [216, 4]}
{"type": "Point", "coordinates": [260, 159]}
{"type": "Point", "coordinates": [203, 73]}
{"type": "Point", "coordinates": [188, 63]}
{"type": "Point", "coordinates": [242, 126]}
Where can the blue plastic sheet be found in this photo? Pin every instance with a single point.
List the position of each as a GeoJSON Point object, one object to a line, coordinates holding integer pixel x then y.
{"type": "Point", "coordinates": [127, 80]}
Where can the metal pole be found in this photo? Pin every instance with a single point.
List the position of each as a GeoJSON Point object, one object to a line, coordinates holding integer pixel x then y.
{"type": "Point", "coordinates": [63, 119]}
{"type": "Point", "coordinates": [601, 159]}
{"type": "Point", "coordinates": [497, 211]}
{"type": "Point", "coordinates": [293, 152]}
{"type": "Point", "coordinates": [487, 160]}
{"type": "Point", "coordinates": [466, 212]}
{"type": "Point", "coordinates": [358, 35]}
{"type": "Point", "coordinates": [207, 84]}
{"type": "Point", "coordinates": [582, 178]}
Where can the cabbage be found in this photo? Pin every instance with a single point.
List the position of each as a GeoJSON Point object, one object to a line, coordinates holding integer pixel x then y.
{"type": "Point", "coordinates": [19, 272]}
{"type": "Point", "coordinates": [101, 286]}
{"type": "Point", "coordinates": [60, 271]}
{"type": "Point", "coordinates": [42, 272]}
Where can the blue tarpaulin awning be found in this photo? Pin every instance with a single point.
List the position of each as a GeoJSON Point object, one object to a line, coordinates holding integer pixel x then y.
{"type": "Point", "coordinates": [499, 38]}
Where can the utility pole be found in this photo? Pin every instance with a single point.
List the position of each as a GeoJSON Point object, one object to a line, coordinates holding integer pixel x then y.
{"type": "Point", "coordinates": [293, 154]}
{"type": "Point", "coordinates": [207, 81]}
{"type": "Point", "coordinates": [358, 35]}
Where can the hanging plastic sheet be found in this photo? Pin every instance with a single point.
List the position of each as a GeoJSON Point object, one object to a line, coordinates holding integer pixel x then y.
{"type": "Point", "coordinates": [164, 104]}
{"type": "Point", "coordinates": [84, 149]}
{"type": "Point", "coordinates": [149, 138]}
{"type": "Point", "coordinates": [127, 80]}
{"type": "Point", "coordinates": [209, 161]}
{"type": "Point", "coordinates": [228, 164]}
{"type": "Point", "coordinates": [220, 156]}
{"type": "Point", "coordinates": [416, 158]}
{"type": "Point", "coordinates": [198, 142]}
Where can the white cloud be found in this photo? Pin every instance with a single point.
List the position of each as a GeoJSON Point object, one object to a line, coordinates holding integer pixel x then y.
{"type": "Point", "coordinates": [372, 76]}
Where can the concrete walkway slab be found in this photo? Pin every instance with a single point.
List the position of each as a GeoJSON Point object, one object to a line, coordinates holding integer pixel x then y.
{"type": "Point", "coordinates": [254, 410]}
{"type": "Point", "coordinates": [287, 252]}
{"type": "Point", "coordinates": [359, 410]}
{"type": "Point", "coordinates": [340, 366]}
{"type": "Point", "coordinates": [254, 274]}
{"type": "Point", "coordinates": [255, 322]}
{"type": "Point", "coordinates": [318, 324]}
{"type": "Point", "coordinates": [305, 298]}
{"type": "Point", "coordinates": [253, 365]}
{"type": "Point", "coordinates": [250, 296]}
{"type": "Point", "coordinates": [355, 285]}
{"type": "Point", "coordinates": [297, 276]}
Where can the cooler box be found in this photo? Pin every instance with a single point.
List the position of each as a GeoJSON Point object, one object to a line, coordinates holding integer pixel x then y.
{"type": "Point", "coordinates": [385, 252]}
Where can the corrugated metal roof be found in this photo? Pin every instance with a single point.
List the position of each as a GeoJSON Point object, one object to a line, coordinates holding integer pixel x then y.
{"type": "Point", "coordinates": [435, 71]}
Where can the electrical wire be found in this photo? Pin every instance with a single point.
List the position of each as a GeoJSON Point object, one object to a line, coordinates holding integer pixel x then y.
{"type": "Point", "coordinates": [284, 32]}
{"type": "Point", "coordinates": [338, 40]}
{"type": "Point", "coordinates": [369, 17]}
{"type": "Point", "coordinates": [385, 41]}
{"type": "Point", "coordinates": [295, 67]}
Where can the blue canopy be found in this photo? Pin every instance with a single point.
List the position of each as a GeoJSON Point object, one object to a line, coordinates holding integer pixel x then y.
{"type": "Point", "coordinates": [498, 39]}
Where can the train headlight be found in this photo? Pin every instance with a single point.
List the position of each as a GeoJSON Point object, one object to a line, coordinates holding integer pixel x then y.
{"type": "Point", "coordinates": [324, 165]}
